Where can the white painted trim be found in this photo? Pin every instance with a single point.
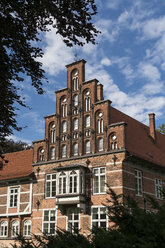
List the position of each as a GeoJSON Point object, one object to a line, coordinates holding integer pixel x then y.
{"type": "Point", "coordinates": [3, 205]}
{"type": "Point", "coordinates": [39, 194]}
{"type": "Point", "coordinates": [25, 192]}
{"type": "Point", "coordinates": [114, 171]}
{"type": "Point", "coordinates": [3, 195]}
{"type": "Point", "coordinates": [24, 203]}
{"type": "Point", "coordinates": [37, 218]}
{"type": "Point", "coordinates": [112, 163]}
{"type": "Point", "coordinates": [49, 209]}
{"type": "Point", "coordinates": [31, 197]}
{"type": "Point", "coordinates": [14, 214]}
{"type": "Point", "coordinates": [99, 206]}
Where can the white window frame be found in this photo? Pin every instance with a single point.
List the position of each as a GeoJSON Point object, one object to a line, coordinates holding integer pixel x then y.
{"type": "Point", "coordinates": [3, 228]}
{"type": "Point", "coordinates": [158, 188]}
{"type": "Point", "coordinates": [75, 100]}
{"type": "Point", "coordinates": [87, 147]}
{"type": "Point", "coordinates": [62, 180]}
{"type": "Point", "coordinates": [99, 174]}
{"type": "Point", "coordinates": [15, 228]}
{"type": "Point", "coordinates": [73, 182]}
{"type": "Point", "coordinates": [75, 124]}
{"type": "Point", "coordinates": [75, 83]}
{"type": "Point", "coordinates": [73, 221]}
{"type": "Point", "coordinates": [99, 220]}
{"type": "Point", "coordinates": [14, 196]}
{"type": "Point", "coordinates": [63, 151]}
{"type": "Point", "coordinates": [53, 134]}
{"type": "Point", "coordinates": [49, 222]}
{"type": "Point", "coordinates": [100, 144]}
{"type": "Point", "coordinates": [100, 125]}
{"type": "Point", "coordinates": [87, 103]}
{"type": "Point", "coordinates": [27, 228]}
{"type": "Point", "coordinates": [138, 183]}
{"type": "Point", "coordinates": [51, 180]}
{"type": "Point", "coordinates": [64, 126]}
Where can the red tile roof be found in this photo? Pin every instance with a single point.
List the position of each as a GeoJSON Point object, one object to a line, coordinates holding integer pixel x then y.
{"type": "Point", "coordinates": [138, 139]}
{"type": "Point", "coordinates": [19, 165]}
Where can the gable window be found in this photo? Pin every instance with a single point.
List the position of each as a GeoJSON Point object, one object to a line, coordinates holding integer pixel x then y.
{"type": "Point", "coordinates": [113, 142]}
{"type": "Point", "coordinates": [75, 80]}
{"type": "Point", "coordinates": [3, 229]}
{"type": "Point", "coordinates": [53, 133]}
{"type": "Point", "coordinates": [73, 182]}
{"type": "Point", "coordinates": [87, 101]}
{"type": "Point", "coordinates": [41, 154]}
{"type": "Point", "coordinates": [73, 220]}
{"type": "Point", "coordinates": [87, 121]}
{"type": "Point", "coordinates": [75, 100]}
{"type": "Point", "coordinates": [52, 153]}
{"type": "Point", "coordinates": [15, 228]}
{"type": "Point", "coordinates": [50, 187]}
{"type": "Point", "coordinates": [99, 180]}
{"type": "Point", "coordinates": [100, 144]}
{"type": "Point", "coordinates": [64, 151]}
{"type": "Point", "coordinates": [100, 123]}
{"type": "Point", "coordinates": [99, 217]}
{"type": "Point", "coordinates": [75, 124]}
{"type": "Point", "coordinates": [88, 146]}
{"type": "Point", "coordinates": [75, 149]}
{"type": "Point", "coordinates": [138, 183]}
{"type": "Point", "coordinates": [64, 126]}
{"type": "Point", "coordinates": [62, 183]}
{"type": "Point", "coordinates": [158, 188]}
{"type": "Point", "coordinates": [64, 107]}
{"type": "Point", "coordinates": [49, 221]}
{"type": "Point", "coordinates": [27, 228]}
{"type": "Point", "coordinates": [13, 197]}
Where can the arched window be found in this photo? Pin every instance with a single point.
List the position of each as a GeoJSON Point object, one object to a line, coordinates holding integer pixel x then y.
{"type": "Point", "coordinates": [53, 133]}
{"type": "Point", "coordinates": [87, 101]}
{"type": "Point", "coordinates": [75, 124]}
{"type": "Point", "coordinates": [64, 107]}
{"type": "Point", "coordinates": [87, 121]}
{"type": "Point", "coordinates": [27, 228]}
{"type": "Point", "coordinates": [87, 146]}
{"type": "Point", "coordinates": [113, 142]}
{"type": "Point", "coordinates": [52, 153]}
{"type": "Point", "coordinates": [3, 229]}
{"type": "Point", "coordinates": [100, 144]}
{"type": "Point", "coordinates": [75, 80]}
{"type": "Point", "coordinates": [64, 126]}
{"type": "Point", "coordinates": [75, 149]}
{"type": "Point", "coordinates": [41, 152]}
{"type": "Point", "coordinates": [75, 100]}
{"type": "Point", "coordinates": [15, 228]}
{"type": "Point", "coordinates": [62, 183]}
{"type": "Point", "coordinates": [100, 123]}
{"type": "Point", "coordinates": [73, 182]}
{"type": "Point", "coordinates": [64, 151]}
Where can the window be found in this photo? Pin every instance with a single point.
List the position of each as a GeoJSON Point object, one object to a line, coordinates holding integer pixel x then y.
{"type": "Point", "coordinates": [64, 107]}
{"type": "Point", "coordinates": [3, 229]}
{"type": "Point", "coordinates": [87, 101]}
{"type": "Point", "coordinates": [88, 147]}
{"type": "Point", "coordinates": [75, 100]}
{"type": "Point", "coordinates": [27, 228]}
{"type": "Point", "coordinates": [52, 153]}
{"type": "Point", "coordinates": [138, 182]}
{"type": "Point", "coordinates": [99, 217]}
{"type": "Point", "coordinates": [13, 197]}
{"type": "Point", "coordinates": [75, 149]}
{"type": "Point", "coordinates": [113, 142]}
{"type": "Point", "coordinates": [87, 121]}
{"type": "Point", "coordinates": [100, 144]}
{"type": "Point", "coordinates": [41, 154]}
{"type": "Point", "coordinates": [49, 222]}
{"type": "Point", "coordinates": [15, 228]}
{"type": "Point", "coordinates": [99, 182]}
{"type": "Point", "coordinates": [62, 183]}
{"type": "Point", "coordinates": [50, 187]}
{"type": "Point", "coordinates": [100, 123]}
{"type": "Point", "coordinates": [158, 188]}
{"type": "Point", "coordinates": [73, 182]}
{"type": "Point", "coordinates": [53, 133]}
{"type": "Point", "coordinates": [64, 151]}
{"type": "Point", "coordinates": [64, 126]}
{"type": "Point", "coordinates": [75, 80]}
{"type": "Point", "coordinates": [73, 220]}
{"type": "Point", "coordinates": [75, 124]}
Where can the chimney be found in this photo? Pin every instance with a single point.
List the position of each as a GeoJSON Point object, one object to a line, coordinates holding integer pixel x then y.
{"type": "Point", "coordinates": [100, 92]}
{"type": "Point", "coordinates": [152, 125]}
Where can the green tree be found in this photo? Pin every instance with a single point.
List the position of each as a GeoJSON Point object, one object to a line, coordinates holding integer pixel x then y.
{"type": "Point", "coordinates": [21, 23]}
{"type": "Point", "coordinates": [161, 129]}
{"type": "Point", "coordinates": [12, 146]}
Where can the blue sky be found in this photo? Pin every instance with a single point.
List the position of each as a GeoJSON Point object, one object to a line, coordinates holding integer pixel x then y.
{"type": "Point", "coordinates": [129, 60]}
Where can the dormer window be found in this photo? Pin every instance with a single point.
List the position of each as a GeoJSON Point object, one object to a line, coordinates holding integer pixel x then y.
{"type": "Point", "coordinates": [64, 107]}
{"type": "Point", "coordinates": [75, 81]}
{"type": "Point", "coordinates": [64, 126]}
{"type": "Point", "coordinates": [41, 152]}
{"type": "Point", "coordinates": [75, 124]}
{"type": "Point", "coordinates": [53, 133]}
{"type": "Point", "coordinates": [87, 101]}
{"type": "Point", "coordinates": [100, 123]}
{"type": "Point", "coordinates": [113, 142]}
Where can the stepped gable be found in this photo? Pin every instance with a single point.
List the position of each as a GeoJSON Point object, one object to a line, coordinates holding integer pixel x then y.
{"type": "Point", "coordinates": [138, 139]}
{"type": "Point", "coordinates": [19, 165]}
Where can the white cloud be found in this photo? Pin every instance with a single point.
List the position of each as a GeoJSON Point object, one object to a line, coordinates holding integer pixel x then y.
{"type": "Point", "coordinates": [154, 28]}
{"type": "Point", "coordinates": [105, 61]}
{"type": "Point", "coordinates": [17, 139]}
{"type": "Point", "coordinates": [149, 71]}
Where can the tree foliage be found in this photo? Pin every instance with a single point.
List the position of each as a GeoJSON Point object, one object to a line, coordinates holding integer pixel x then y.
{"type": "Point", "coordinates": [132, 227]}
{"type": "Point", "coordinates": [12, 146]}
{"type": "Point", "coordinates": [161, 129]}
{"type": "Point", "coordinates": [21, 23]}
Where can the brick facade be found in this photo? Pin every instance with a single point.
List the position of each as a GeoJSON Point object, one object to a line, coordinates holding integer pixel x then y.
{"type": "Point", "coordinates": [88, 144]}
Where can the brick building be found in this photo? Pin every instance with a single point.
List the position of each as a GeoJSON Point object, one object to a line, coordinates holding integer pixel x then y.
{"type": "Point", "coordinates": [88, 144]}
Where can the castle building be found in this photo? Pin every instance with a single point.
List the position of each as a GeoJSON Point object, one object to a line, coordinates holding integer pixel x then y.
{"type": "Point", "coordinates": [88, 146]}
